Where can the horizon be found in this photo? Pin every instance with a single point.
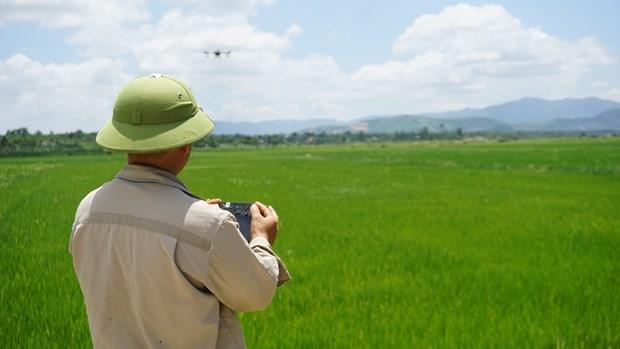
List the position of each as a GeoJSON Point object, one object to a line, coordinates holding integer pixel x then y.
{"type": "Point", "coordinates": [61, 69]}
{"type": "Point", "coordinates": [361, 119]}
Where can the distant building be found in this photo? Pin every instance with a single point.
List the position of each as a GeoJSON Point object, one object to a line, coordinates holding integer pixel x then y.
{"type": "Point", "coordinates": [360, 127]}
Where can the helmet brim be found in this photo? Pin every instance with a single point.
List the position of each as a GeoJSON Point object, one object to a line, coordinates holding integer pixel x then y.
{"type": "Point", "coordinates": [130, 138]}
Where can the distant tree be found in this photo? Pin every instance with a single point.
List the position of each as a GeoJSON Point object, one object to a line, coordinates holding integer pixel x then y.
{"type": "Point", "coordinates": [4, 142]}
{"type": "Point", "coordinates": [212, 142]}
{"type": "Point", "coordinates": [424, 134]}
{"type": "Point", "coordinates": [18, 132]}
{"type": "Point", "coordinates": [275, 139]}
{"type": "Point", "coordinates": [459, 132]}
{"type": "Point", "coordinates": [361, 136]}
{"type": "Point", "coordinates": [77, 134]}
{"type": "Point", "coordinates": [26, 143]}
{"type": "Point", "coordinates": [292, 138]}
{"type": "Point", "coordinates": [321, 138]}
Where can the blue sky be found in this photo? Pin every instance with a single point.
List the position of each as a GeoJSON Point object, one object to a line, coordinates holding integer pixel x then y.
{"type": "Point", "coordinates": [62, 62]}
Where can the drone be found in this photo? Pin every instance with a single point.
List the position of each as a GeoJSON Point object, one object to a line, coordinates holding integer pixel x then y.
{"type": "Point", "coordinates": [217, 53]}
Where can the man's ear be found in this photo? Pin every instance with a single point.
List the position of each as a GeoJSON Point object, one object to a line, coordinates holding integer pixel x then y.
{"type": "Point", "coordinates": [186, 149]}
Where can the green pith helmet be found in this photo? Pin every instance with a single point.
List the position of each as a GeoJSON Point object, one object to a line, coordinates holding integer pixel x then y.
{"type": "Point", "coordinates": [154, 113]}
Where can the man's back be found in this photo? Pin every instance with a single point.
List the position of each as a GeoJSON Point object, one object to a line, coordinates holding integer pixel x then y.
{"type": "Point", "coordinates": [161, 268]}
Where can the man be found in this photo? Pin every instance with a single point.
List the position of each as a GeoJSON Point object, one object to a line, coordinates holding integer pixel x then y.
{"type": "Point", "coordinates": [158, 266]}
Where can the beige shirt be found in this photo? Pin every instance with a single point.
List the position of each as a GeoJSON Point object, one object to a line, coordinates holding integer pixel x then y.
{"type": "Point", "coordinates": [159, 267]}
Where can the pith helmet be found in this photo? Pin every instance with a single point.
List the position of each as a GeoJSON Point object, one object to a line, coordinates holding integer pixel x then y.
{"type": "Point", "coordinates": [154, 113]}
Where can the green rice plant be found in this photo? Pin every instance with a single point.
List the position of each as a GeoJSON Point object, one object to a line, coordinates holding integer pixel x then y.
{"type": "Point", "coordinates": [432, 245]}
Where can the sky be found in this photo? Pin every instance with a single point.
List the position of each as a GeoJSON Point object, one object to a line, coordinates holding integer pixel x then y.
{"type": "Point", "coordinates": [62, 63]}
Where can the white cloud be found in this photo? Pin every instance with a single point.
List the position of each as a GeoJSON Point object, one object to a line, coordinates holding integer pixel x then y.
{"type": "Point", "coordinates": [59, 97]}
{"type": "Point", "coordinates": [422, 69]}
{"type": "Point", "coordinates": [72, 13]}
{"type": "Point", "coordinates": [294, 30]}
{"type": "Point", "coordinates": [490, 42]}
{"type": "Point", "coordinates": [223, 7]}
{"type": "Point", "coordinates": [613, 94]}
{"type": "Point", "coordinates": [176, 43]}
{"type": "Point", "coordinates": [313, 87]}
{"type": "Point", "coordinates": [465, 21]}
{"type": "Point", "coordinates": [481, 54]}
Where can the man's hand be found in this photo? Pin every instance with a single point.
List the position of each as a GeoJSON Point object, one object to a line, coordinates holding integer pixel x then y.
{"type": "Point", "coordinates": [264, 222]}
{"type": "Point", "coordinates": [214, 201]}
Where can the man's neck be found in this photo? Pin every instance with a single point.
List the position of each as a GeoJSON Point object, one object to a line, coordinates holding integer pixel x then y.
{"type": "Point", "coordinates": [152, 164]}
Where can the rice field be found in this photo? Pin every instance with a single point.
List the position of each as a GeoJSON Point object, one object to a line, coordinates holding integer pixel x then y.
{"type": "Point", "coordinates": [404, 245]}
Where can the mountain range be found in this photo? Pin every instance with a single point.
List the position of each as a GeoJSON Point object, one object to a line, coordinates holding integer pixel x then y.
{"type": "Point", "coordinates": [527, 114]}
{"type": "Point", "coordinates": [536, 111]}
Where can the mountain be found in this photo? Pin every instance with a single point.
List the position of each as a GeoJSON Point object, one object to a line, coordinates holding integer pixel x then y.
{"type": "Point", "coordinates": [526, 114]}
{"type": "Point", "coordinates": [269, 127]}
{"type": "Point", "coordinates": [536, 111]}
{"type": "Point", "coordinates": [415, 123]}
{"type": "Point", "coordinates": [606, 121]}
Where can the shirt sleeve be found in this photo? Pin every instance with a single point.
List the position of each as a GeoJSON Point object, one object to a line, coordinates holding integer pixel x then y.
{"type": "Point", "coordinates": [242, 276]}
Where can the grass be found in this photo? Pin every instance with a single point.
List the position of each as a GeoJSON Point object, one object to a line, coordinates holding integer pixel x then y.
{"type": "Point", "coordinates": [433, 245]}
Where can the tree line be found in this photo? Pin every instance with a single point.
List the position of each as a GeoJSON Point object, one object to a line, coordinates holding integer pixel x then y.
{"type": "Point", "coordinates": [21, 142]}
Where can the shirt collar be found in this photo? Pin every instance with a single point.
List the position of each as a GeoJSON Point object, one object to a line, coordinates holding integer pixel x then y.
{"type": "Point", "coordinates": [148, 174]}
